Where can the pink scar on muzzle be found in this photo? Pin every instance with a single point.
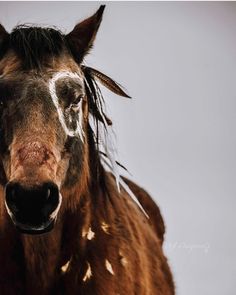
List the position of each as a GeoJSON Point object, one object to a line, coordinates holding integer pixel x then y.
{"type": "Point", "coordinates": [34, 153]}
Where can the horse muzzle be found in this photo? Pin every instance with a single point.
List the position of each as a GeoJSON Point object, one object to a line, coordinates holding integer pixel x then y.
{"type": "Point", "coordinates": [33, 210]}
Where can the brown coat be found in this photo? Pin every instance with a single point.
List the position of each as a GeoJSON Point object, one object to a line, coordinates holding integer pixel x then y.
{"type": "Point", "coordinates": [108, 246]}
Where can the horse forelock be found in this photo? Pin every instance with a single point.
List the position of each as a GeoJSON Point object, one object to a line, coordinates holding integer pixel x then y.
{"type": "Point", "coordinates": [33, 43]}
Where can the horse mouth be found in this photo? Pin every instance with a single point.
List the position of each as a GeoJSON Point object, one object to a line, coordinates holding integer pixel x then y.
{"type": "Point", "coordinates": [35, 230]}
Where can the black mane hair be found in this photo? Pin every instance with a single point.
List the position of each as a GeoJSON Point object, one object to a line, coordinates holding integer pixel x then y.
{"type": "Point", "coordinates": [33, 44]}
{"type": "Point", "coordinates": [96, 109]}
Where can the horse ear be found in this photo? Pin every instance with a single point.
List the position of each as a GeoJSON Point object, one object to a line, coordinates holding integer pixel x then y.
{"type": "Point", "coordinates": [3, 40]}
{"type": "Point", "coordinates": [81, 38]}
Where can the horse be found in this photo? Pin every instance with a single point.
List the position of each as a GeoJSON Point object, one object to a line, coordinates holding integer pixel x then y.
{"type": "Point", "coordinates": [69, 223]}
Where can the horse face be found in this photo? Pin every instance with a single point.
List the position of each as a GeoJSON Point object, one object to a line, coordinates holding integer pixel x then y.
{"type": "Point", "coordinates": [43, 119]}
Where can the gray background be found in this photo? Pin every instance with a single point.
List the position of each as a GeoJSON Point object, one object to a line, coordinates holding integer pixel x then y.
{"type": "Point", "coordinates": [177, 135]}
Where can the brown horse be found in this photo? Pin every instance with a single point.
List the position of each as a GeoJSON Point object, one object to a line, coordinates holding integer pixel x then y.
{"type": "Point", "coordinates": [67, 225]}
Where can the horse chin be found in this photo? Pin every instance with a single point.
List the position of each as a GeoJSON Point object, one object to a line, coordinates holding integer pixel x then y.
{"type": "Point", "coordinates": [35, 230]}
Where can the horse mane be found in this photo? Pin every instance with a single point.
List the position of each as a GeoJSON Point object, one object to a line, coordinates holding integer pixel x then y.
{"type": "Point", "coordinates": [98, 126]}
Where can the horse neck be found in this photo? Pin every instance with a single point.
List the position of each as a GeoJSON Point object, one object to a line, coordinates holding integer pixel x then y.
{"type": "Point", "coordinates": [46, 254]}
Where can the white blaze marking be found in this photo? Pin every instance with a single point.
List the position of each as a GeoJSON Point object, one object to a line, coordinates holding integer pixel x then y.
{"type": "Point", "coordinates": [65, 266]}
{"type": "Point", "coordinates": [78, 132]}
{"type": "Point", "coordinates": [88, 273]}
{"type": "Point", "coordinates": [109, 267]}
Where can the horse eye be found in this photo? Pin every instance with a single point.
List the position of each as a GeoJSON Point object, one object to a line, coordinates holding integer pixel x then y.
{"type": "Point", "coordinates": [77, 100]}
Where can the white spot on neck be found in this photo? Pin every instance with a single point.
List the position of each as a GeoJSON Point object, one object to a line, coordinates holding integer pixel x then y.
{"type": "Point", "coordinates": [123, 259]}
{"type": "Point", "coordinates": [105, 227]}
{"type": "Point", "coordinates": [89, 234]}
{"type": "Point", "coordinates": [109, 267]}
{"type": "Point", "coordinates": [78, 132]}
{"type": "Point", "coordinates": [64, 268]}
{"type": "Point", "coordinates": [88, 273]}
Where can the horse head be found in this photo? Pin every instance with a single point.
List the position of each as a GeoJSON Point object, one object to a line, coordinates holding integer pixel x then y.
{"type": "Point", "coordinates": [45, 101]}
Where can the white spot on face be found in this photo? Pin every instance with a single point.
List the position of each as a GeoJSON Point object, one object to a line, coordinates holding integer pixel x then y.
{"type": "Point", "coordinates": [65, 266]}
{"type": "Point", "coordinates": [109, 267]}
{"type": "Point", "coordinates": [88, 273]}
{"type": "Point", "coordinates": [78, 132]}
{"type": "Point", "coordinates": [105, 227]}
{"type": "Point", "coordinates": [89, 234]}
